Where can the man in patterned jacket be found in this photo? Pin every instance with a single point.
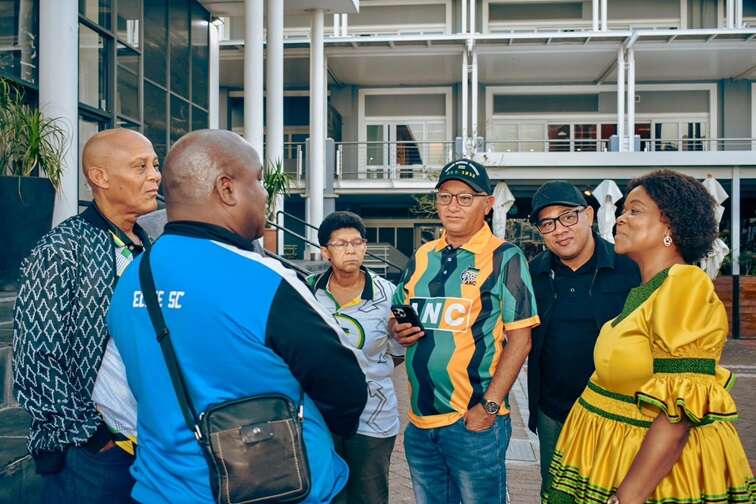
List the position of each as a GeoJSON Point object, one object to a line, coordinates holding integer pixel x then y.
{"type": "Point", "coordinates": [68, 374]}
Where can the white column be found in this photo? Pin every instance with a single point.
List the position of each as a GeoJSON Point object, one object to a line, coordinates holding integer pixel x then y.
{"type": "Point", "coordinates": [604, 16]}
{"type": "Point", "coordinates": [253, 74]}
{"type": "Point", "coordinates": [316, 168]}
{"type": "Point", "coordinates": [463, 17]}
{"type": "Point", "coordinates": [473, 27]}
{"type": "Point", "coordinates": [337, 25]}
{"type": "Point", "coordinates": [344, 25]}
{"type": "Point", "coordinates": [631, 99]}
{"type": "Point", "coordinates": [465, 97]}
{"type": "Point", "coordinates": [730, 14]}
{"type": "Point", "coordinates": [474, 101]}
{"type": "Point", "coordinates": [59, 91]}
{"type": "Point", "coordinates": [275, 99]}
{"type": "Point", "coordinates": [738, 14]}
{"type": "Point", "coordinates": [214, 77]}
{"type": "Point", "coordinates": [595, 14]}
{"type": "Point", "coordinates": [735, 220]}
{"type": "Point", "coordinates": [621, 98]}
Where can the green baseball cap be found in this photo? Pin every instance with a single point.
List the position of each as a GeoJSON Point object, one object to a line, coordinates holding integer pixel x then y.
{"type": "Point", "coordinates": [468, 171]}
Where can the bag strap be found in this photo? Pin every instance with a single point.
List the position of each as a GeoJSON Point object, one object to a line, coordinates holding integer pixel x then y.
{"type": "Point", "coordinates": [147, 284]}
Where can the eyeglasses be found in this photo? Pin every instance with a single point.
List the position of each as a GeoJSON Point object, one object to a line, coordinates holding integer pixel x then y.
{"type": "Point", "coordinates": [567, 219]}
{"type": "Point", "coordinates": [344, 244]}
{"type": "Point", "coordinates": [463, 199]}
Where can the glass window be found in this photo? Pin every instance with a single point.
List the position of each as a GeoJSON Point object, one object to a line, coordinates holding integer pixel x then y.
{"type": "Point", "coordinates": [643, 130]}
{"type": "Point", "coordinates": [179, 118]}
{"type": "Point", "coordinates": [585, 137]}
{"type": "Point", "coordinates": [179, 38]}
{"type": "Point", "coordinates": [18, 39]}
{"type": "Point", "coordinates": [199, 119]}
{"type": "Point", "coordinates": [125, 123]}
{"type": "Point", "coordinates": [127, 100]}
{"type": "Point", "coordinates": [404, 239]}
{"type": "Point", "coordinates": [694, 130]}
{"type": "Point", "coordinates": [371, 234]}
{"type": "Point", "coordinates": [502, 136]}
{"type": "Point", "coordinates": [408, 147]}
{"type": "Point", "coordinates": [559, 137]}
{"type": "Point", "coordinates": [666, 135]}
{"type": "Point", "coordinates": [155, 123]}
{"type": "Point", "coordinates": [93, 69]}
{"type": "Point", "coordinates": [127, 26]}
{"type": "Point", "coordinates": [98, 11]}
{"type": "Point", "coordinates": [387, 235]}
{"type": "Point", "coordinates": [531, 138]}
{"type": "Point", "coordinates": [156, 40]}
{"type": "Point", "coordinates": [375, 151]}
{"type": "Point", "coordinates": [87, 129]}
{"type": "Point", "coordinates": [200, 55]}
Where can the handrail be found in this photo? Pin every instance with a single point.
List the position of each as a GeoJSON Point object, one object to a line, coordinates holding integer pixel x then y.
{"type": "Point", "coordinates": [304, 239]}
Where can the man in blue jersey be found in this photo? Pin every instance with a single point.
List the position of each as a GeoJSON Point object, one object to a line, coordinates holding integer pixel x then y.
{"type": "Point", "coordinates": [241, 325]}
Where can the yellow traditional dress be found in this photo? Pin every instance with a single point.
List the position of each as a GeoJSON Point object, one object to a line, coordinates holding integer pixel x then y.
{"type": "Point", "coordinates": [660, 355]}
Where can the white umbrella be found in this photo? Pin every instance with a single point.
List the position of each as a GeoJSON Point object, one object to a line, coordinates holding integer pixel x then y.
{"type": "Point", "coordinates": [713, 261]}
{"type": "Point", "coordinates": [504, 201]}
{"type": "Point", "coordinates": [607, 194]}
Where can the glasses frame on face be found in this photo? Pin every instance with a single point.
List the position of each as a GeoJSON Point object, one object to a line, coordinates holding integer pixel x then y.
{"type": "Point", "coordinates": [460, 197]}
{"type": "Point", "coordinates": [553, 220]}
{"type": "Point", "coordinates": [356, 244]}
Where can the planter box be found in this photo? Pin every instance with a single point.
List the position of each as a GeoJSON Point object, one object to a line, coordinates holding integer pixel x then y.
{"type": "Point", "coordinates": [26, 207]}
{"type": "Point", "coordinates": [723, 285]}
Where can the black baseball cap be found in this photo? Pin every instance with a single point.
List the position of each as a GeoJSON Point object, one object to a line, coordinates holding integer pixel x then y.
{"type": "Point", "coordinates": [467, 171]}
{"type": "Point", "coordinates": [556, 192]}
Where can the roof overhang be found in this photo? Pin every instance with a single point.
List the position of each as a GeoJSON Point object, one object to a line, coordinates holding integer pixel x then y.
{"type": "Point", "coordinates": [236, 7]}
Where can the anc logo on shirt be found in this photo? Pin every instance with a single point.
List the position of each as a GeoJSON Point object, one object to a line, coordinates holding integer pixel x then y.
{"type": "Point", "coordinates": [354, 331]}
{"type": "Point", "coordinates": [443, 313]}
{"type": "Point", "coordinates": [470, 276]}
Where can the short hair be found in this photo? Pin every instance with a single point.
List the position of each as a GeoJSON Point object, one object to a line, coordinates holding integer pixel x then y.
{"type": "Point", "coordinates": [687, 206]}
{"type": "Point", "coordinates": [339, 220]}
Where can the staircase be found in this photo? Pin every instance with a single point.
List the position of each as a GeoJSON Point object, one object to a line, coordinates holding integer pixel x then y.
{"type": "Point", "coordinates": [18, 480]}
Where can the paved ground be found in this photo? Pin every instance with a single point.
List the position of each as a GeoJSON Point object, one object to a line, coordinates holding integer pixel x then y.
{"type": "Point", "coordinates": [522, 458]}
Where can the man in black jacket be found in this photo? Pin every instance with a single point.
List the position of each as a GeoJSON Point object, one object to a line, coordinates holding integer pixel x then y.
{"type": "Point", "coordinates": [579, 284]}
{"type": "Point", "coordinates": [67, 374]}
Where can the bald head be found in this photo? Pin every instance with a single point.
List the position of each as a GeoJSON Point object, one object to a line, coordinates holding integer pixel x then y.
{"type": "Point", "coordinates": [121, 167]}
{"type": "Point", "coordinates": [195, 162]}
{"type": "Point", "coordinates": [214, 176]}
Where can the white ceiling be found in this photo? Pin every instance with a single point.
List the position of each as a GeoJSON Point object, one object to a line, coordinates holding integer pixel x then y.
{"type": "Point", "coordinates": [236, 7]}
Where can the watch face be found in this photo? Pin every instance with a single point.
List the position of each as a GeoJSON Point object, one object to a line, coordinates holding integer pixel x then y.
{"type": "Point", "coordinates": [491, 407]}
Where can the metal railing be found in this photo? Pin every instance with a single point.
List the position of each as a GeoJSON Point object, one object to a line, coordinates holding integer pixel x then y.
{"type": "Point", "coordinates": [605, 145]}
{"type": "Point", "coordinates": [387, 264]}
{"type": "Point", "coordinates": [392, 160]}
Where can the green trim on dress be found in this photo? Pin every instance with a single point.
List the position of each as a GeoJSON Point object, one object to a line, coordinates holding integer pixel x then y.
{"type": "Point", "coordinates": [680, 402]}
{"type": "Point", "coordinates": [686, 365]}
{"type": "Point", "coordinates": [611, 416]}
{"type": "Point", "coordinates": [610, 394]}
{"type": "Point", "coordinates": [639, 294]}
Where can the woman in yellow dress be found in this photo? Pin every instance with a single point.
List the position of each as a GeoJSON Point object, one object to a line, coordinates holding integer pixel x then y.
{"type": "Point", "coordinates": [654, 424]}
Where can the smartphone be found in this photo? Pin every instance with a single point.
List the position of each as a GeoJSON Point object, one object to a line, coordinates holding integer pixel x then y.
{"type": "Point", "coordinates": [405, 313]}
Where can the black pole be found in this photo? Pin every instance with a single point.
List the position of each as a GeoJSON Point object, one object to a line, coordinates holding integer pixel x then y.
{"type": "Point", "coordinates": [736, 306]}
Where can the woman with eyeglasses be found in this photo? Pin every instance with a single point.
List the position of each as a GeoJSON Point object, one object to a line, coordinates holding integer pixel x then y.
{"type": "Point", "coordinates": [361, 303]}
{"type": "Point", "coordinates": [655, 424]}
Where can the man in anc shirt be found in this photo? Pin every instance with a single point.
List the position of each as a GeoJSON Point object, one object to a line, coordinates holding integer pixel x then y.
{"type": "Point", "coordinates": [473, 295]}
{"type": "Point", "coordinates": [68, 374]}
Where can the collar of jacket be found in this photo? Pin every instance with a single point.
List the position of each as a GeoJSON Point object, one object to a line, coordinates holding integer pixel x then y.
{"type": "Point", "coordinates": [204, 230]}
{"type": "Point", "coordinates": [367, 291]}
{"type": "Point", "coordinates": [95, 217]}
{"type": "Point", "coordinates": [605, 256]}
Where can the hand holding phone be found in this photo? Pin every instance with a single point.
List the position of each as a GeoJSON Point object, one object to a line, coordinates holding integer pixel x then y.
{"type": "Point", "coordinates": [406, 328]}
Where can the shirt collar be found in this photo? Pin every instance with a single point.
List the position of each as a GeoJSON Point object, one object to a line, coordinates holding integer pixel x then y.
{"type": "Point", "coordinates": [94, 216]}
{"type": "Point", "coordinates": [367, 291]}
{"type": "Point", "coordinates": [476, 244]}
{"type": "Point", "coordinates": [207, 231]}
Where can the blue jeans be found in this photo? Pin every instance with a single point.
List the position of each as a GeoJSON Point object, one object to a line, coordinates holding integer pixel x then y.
{"type": "Point", "coordinates": [450, 464]}
{"type": "Point", "coordinates": [91, 478]}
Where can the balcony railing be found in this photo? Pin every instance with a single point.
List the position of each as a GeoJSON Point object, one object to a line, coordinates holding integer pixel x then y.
{"type": "Point", "coordinates": [392, 160]}
{"type": "Point", "coordinates": [607, 145]}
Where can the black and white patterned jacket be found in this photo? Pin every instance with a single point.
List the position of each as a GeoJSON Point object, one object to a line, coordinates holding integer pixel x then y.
{"type": "Point", "coordinates": [60, 333]}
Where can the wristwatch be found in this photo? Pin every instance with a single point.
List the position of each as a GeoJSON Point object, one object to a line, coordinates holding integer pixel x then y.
{"type": "Point", "coordinates": [491, 407]}
{"type": "Point", "coordinates": [613, 500]}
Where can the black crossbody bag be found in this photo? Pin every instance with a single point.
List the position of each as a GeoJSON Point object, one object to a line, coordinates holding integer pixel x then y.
{"type": "Point", "coordinates": [253, 445]}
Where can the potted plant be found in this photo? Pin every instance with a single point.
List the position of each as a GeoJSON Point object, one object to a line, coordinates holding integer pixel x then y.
{"type": "Point", "coordinates": [277, 183]}
{"type": "Point", "coordinates": [30, 145]}
{"type": "Point", "coordinates": [747, 281]}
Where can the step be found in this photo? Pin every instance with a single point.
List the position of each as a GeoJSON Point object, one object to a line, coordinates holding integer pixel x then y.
{"type": "Point", "coordinates": [18, 479]}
